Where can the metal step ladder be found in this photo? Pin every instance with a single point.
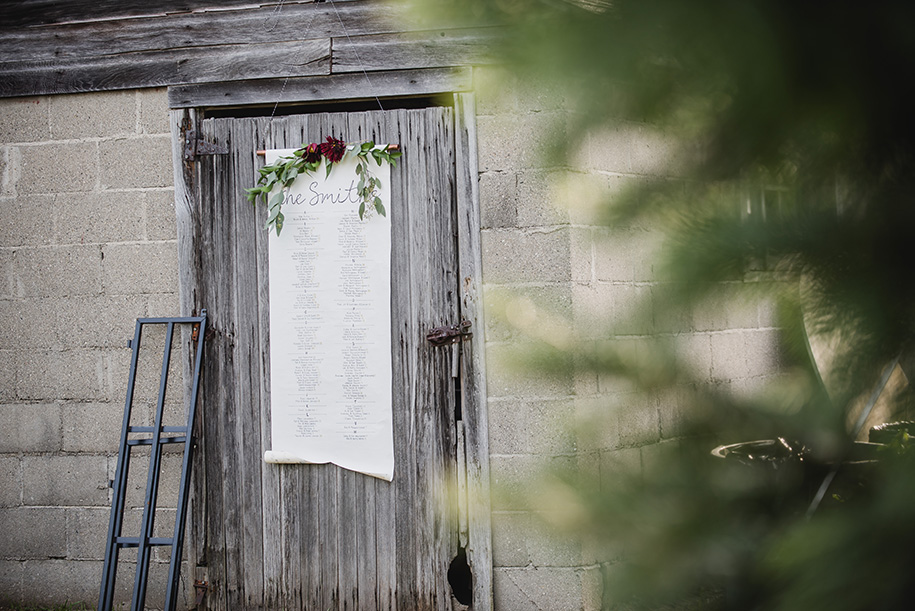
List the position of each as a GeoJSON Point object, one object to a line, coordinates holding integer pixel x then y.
{"type": "Point", "coordinates": [156, 436]}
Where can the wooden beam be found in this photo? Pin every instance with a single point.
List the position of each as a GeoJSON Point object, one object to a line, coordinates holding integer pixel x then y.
{"type": "Point", "coordinates": [249, 25]}
{"type": "Point", "coordinates": [356, 86]}
{"type": "Point", "coordinates": [414, 49]}
{"type": "Point", "coordinates": [156, 69]}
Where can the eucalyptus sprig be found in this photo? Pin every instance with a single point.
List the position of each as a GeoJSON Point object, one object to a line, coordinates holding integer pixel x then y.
{"type": "Point", "coordinates": [307, 160]}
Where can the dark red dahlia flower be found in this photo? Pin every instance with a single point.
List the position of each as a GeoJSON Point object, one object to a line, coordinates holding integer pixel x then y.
{"type": "Point", "coordinates": [312, 153]}
{"type": "Point", "coordinates": [333, 149]}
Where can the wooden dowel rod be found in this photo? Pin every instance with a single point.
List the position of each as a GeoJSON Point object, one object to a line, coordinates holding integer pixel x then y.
{"type": "Point", "coordinates": [390, 147]}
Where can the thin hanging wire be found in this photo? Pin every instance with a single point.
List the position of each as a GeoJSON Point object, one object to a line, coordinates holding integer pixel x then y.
{"type": "Point", "coordinates": [356, 53]}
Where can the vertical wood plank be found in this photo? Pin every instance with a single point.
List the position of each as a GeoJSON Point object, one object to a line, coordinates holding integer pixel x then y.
{"type": "Point", "coordinates": [473, 392]}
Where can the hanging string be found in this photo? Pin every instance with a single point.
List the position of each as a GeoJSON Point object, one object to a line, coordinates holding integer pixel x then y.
{"type": "Point", "coordinates": [356, 53]}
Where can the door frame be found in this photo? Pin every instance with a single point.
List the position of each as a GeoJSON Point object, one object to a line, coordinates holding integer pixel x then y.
{"type": "Point", "coordinates": [189, 105]}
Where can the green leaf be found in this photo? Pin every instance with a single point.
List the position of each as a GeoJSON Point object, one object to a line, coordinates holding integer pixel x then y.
{"type": "Point", "coordinates": [277, 198]}
{"type": "Point", "coordinates": [329, 168]}
{"type": "Point", "coordinates": [279, 223]}
{"type": "Point", "coordinates": [359, 168]}
{"type": "Point", "coordinates": [361, 210]}
{"type": "Point", "coordinates": [379, 207]}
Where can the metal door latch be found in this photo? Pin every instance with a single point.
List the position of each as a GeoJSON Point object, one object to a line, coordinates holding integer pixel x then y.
{"type": "Point", "coordinates": [194, 146]}
{"type": "Point", "coordinates": [443, 336]}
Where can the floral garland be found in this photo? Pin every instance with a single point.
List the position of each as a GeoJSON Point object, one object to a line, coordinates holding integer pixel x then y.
{"type": "Point", "coordinates": [307, 160]}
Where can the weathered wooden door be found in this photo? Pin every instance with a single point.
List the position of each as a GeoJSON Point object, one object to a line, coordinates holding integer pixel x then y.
{"type": "Point", "coordinates": [267, 536]}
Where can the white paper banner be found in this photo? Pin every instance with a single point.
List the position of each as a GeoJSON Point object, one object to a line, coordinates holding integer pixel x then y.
{"type": "Point", "coordinates": [330, 325]}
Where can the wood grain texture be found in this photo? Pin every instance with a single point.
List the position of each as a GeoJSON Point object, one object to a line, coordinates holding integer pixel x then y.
{"type": "Point", "coordinates": [167, 67]}
{"type": "Point", "coordinates": [108, 49]}
{"type": "Point", "coordinates": [404, 50]}
{"type": "Point", "coordinates": [317, 536]}
{"type": "Point", "coordinates": [473, 375]}
{"type": "Point", "coordinates": [338, 87]}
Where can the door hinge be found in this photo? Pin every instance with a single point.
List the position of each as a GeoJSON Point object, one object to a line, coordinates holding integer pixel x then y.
{"type": "Point", "coordinates": [442, 336]}
{"type": "Point", "coordinates": [194, 146]}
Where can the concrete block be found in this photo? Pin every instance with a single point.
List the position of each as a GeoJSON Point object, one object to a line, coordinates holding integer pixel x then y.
{"type": "Point", "coordinates": [549, 547]}
{"type": "Point", "coordinates": [92, 427]}
{"type": "Point", "coordinates": [510, 530]}
{"type": "Point", "coordinates": [670, 313]}
{"type": "Point", "coordinates": [7, 376]}
{"type": "Point", "coordinates": [597, 422]}
{"type": "Point", "coordinates": [103, 321]}
{"type": "Point", "coordinates": [29, 324]}
{"type": "Point", "coordinates": [638, 420]}
{"type": "Point", "coordinates": [544, 589]}
{"type": "Point", "coordinates": [729, 356]}
{"type": "Point", "coordinates": [33, 532]}
{"type": "Point", "coordinates": [672, 418]}
{"type": "Point", "coordinates": [153, 110]}
{"type": "Point", "coordinates": [127, 163]}
{"type": "Point", "coordinates": [619, 466]}
{"type": "Point", "coordinates": [625, 255]}
{"type": "Point", "coordinates": [581, 254]}
{"type": "Point", "coordinates": [161, 223]}
{"type": "Point", "coordinates": [163, 304]}
{"type": "Point", "coordinates": [10, 582]}
{"type": "Point", "coordinates": [30, 428]}
{"type": "Point", "coordinates": [65, 480]}
{"type": "Point", "coordinates": [7, 258]}
{"type": "Point", "coordinates": [498, 200]}
{"type": "Point", "coordinates": [515, 481]}
{"type": "Point", "coordinates": [608, 310]}
{"type": "Point", "coordinates": [509, 376]}
{"type": "Point", "coordinates": [531, 427]}
{"type": "Point", "coordinates": [537, 205]}
{"type": "Point", "coordinates": [93, 115]}
{"type": "Point", "coordinates": [131, 269]}
{"type": "Point", "coordinates": [762, 351]}
{"type": "Point", "coordinates": [609, 150]}
{"type": "Point", "coordinates": [26, 221]}
{"type": "Point", "coordinates": [71, 374]}
{"type": "Point", "coordinates": [87, 532]}
{"type": "Point", "coordinates": [695, 353]}
{"type": "Point", "coordinates": [653, 153]}
{"type": "Point", "coordinates": [500, 142]}
{"type": "Point", "coordinates": [61, 167]}
{"type": "Point", "coordinates": [50, 582]}
{"type": "Point", "coordinates": [512, 312]}
{"type": "Point", "coordinates": [526, 256]}
{"type": "Point", "coordinates": [713, 313]}
{"type": "Point", "coordinates": [58, 271]}
{"type": "Point", "coordinates": [519, 141]}
{"type": "Point", "coordinates": [10, 481]}
{"type": "Point", "coordinates": [24, 120]}
{"type": "Point", "coordinates": [658, 457]}
{"type": "Point", "coordinates": [86, 218]}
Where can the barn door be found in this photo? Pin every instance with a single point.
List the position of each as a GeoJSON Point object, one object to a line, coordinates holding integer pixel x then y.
{"type": "Point", "coordinates": [267, 536]}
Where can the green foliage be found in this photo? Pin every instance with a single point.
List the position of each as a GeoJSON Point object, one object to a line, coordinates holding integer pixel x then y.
{"type": "Point", "coordinates": [275, 178]}
{"type": "Point", "coordinates": [805, 97]}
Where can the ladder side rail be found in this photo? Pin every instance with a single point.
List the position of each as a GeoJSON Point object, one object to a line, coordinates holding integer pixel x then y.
{"type": "Point", "coordinates": [181, 514]}
{"type": "Point", "coordinates": [109, 572]}
{"type": "Point", "coordinates": [152, 481]}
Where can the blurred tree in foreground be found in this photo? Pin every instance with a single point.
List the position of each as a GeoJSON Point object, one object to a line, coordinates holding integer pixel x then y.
{"type": "Point", "coordinates": [807, 96]}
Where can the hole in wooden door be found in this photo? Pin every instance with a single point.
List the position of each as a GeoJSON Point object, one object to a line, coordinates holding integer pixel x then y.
{"type": "Point", "coordinates": [460, 578]}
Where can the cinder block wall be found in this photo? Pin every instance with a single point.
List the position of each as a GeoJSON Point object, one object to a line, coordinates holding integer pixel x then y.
{"type": "Point", "coordinates": [546, 261]}
{"type": "Point", "coordinates": [87, 245]}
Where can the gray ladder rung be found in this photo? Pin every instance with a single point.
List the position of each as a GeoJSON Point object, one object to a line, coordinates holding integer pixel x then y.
{"type": "Point", "coordinates": [152, 429]}
{"type": "Point", "coordinates": [149, 442]}
{"type": "Point", "coordinates": [135, 541]}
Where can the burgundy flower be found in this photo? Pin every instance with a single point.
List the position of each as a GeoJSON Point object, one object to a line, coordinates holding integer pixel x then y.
{"type": "Point", "coordinates": [333, 149]}
{"type": "Point", "coordinates": [312, 153]}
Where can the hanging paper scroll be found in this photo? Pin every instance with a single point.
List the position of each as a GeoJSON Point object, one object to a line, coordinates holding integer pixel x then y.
{"type": "Point", "coordinates": [330, 329]}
